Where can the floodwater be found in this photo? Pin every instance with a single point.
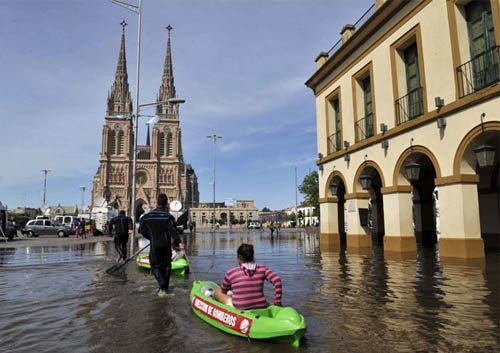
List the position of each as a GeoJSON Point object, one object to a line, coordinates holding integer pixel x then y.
{"type": "Point", "coordinates": [59, 299]}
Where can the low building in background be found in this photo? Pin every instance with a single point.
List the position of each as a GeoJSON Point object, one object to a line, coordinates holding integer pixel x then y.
{"type": "Point", "coordinates": [306, 217]}
{"type": "Point", "coordinates": [273, 216]}
{"type": "Point", "coordinates": [25, 211]}
{"type": "Point", "coordinates": [225, 215]}
{"type": "Point", "coordinates": [63, 210]}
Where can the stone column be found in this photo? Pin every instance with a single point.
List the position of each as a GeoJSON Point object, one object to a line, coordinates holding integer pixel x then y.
{"type": "Point", "coordinates": [459, 219]}
{"type": "Point", "coordinates": [357, 235]}
{"type": "Point", "coordinates": [329, 227]}
{"type": "Point", "coordinates": [398, 220]}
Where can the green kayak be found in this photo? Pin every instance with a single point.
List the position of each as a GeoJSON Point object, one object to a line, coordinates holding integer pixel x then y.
{"type": "Point", "coordinates": [180, 266]}
{"type": "Point", "coordinates": [283, 324]}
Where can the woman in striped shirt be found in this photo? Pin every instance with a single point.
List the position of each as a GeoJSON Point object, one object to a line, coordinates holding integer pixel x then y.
{"type": "Point", "coordinates": [246, 281]}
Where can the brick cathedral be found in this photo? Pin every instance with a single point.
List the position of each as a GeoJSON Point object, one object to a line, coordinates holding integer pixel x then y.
{"type": "Point", "coordinates": [160, 163]}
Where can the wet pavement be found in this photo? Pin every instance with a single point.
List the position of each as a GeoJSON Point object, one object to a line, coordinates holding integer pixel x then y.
{"type": "Point", "coordinates": [59, 299]}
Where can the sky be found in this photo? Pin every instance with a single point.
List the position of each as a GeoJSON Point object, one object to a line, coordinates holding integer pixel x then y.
{"type": "Point", "coordinates": [240, 65]}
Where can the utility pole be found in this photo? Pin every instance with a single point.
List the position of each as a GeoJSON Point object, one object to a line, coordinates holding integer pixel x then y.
{"type": "Point", "coordinates": [296, 207]}
{"type": "Point", "coordinates": [214, 138]}
{"type": "Point", "coordinates": [45, 171]}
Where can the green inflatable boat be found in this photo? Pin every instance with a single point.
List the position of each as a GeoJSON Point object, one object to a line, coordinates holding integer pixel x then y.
{"type": "Point", "coordinates": [180, 266]}
{"type": "Point", "coordinates": [283, 324]}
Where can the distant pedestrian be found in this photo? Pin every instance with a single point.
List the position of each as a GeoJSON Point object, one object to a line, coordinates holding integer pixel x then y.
{"type": "Point", "coordinates": [191, 226]}
{"type": "Point", "coordinates": [271, 228]}
{"type": "Point", "coordinates": [123, 227]}
{"type": "Point", "coordinates": [76, 224]}
{"type": "Point", "coordinates": [82, 228]}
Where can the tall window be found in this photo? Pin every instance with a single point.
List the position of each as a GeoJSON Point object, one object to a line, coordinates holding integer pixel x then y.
{"type": "Point", "coordinates": [367, 125]}
{"type": "Point", "coordinates": [161, 144]}
{"type": "Point", "coordinates": [413, 86]}
{"type": "Point", "coordinates": [334, 123]}
{"type": "Point", "coordinates": [112, 145]}
{"type": "Point", "coordinates": [483, 52]}
{"type": "Point", "coordinates": [121, 143]}
{"type": "Point", "coordinates": [170, 144]}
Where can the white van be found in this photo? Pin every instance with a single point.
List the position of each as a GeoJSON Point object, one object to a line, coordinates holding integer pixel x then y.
{"type": "Point", "coordinates": [66, 220]}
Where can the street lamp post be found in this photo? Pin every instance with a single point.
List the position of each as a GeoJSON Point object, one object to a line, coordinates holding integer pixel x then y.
{"type": "Point", "coordinates": [45, 171]}
{"type": "Point", "coordinates": [214, 138]}
{"type": "Point", "coordinates": [83, 194]}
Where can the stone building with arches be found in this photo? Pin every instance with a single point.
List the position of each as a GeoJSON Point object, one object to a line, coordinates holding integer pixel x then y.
{"type": "Point", "coordinates": [160, 164]}
{"type": "Point", "coordinates": [407, 113]}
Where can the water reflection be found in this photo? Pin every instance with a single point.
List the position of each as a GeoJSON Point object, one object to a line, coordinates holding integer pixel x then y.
{"type": "Point", "coordinates": [60, 299]}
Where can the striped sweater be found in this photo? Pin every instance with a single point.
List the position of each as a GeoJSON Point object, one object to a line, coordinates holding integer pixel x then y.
{"type": "Point", "coordinates": [247, 284]}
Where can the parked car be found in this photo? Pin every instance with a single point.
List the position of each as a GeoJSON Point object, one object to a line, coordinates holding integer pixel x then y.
{"type": "Point", "coordinates": [10, 230]}
{"type": "Point", "coordinates": [37, 227]}
{"type": "Point", "coordinates": [253, 225]}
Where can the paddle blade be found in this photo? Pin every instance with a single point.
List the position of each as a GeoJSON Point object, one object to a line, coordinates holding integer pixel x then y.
{"type": "Point", "coordinates": [115, 268]}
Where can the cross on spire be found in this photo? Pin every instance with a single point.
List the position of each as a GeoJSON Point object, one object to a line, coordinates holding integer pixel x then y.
{"type": "Point", "coordinates": [169, 28]}
{"type": "Point", "coordinates": [123, 24]}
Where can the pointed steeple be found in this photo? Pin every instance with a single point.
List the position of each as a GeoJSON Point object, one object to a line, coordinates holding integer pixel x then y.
{"type": "Point", "coordinates": [119, 101]}
{"type": "Point", "coordinates": [167, 88]}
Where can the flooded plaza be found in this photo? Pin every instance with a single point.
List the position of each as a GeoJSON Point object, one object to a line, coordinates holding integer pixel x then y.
{"type": "Point", "coordinates": [59, 299]}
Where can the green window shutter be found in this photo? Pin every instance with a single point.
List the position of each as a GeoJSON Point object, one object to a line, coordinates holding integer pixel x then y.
{"type": "Point", "coordinates": [484, 58]}
{"type": "Point", "coordinates": [367, 93]}
{"type": "Point", "coordinates": [337, 123]}
{"type": "Point", "coordinates": [414, 104]}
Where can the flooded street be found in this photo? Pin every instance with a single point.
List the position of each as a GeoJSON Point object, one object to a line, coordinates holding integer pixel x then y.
{"type": "Point", "coordinates": [59, 299]}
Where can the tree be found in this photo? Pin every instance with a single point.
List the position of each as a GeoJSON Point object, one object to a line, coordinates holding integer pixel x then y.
{"type": "Point", "coordinates": [310, 189]}
{"type": "Point", "coordinates": [291, 217]}
{"type": "Point", "coordinates": [265, 209]}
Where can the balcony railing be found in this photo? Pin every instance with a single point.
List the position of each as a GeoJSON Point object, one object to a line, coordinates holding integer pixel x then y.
{"type": "Point", "coordinates": [479, 72]}
{"type": "Point", "coordinates": [143, 152]}
{"type": "Point", "coordinates": [357, 25]}
{"type": "Point", "coordinates": [410, 106]}
{"type": "Point", "coordinates": [364, 127]}
{"type": "Point", "coordinates": [334, 142]}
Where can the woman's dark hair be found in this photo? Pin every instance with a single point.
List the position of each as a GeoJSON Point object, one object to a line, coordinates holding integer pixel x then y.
{"type": "Point", "coordinates": [245, 252]}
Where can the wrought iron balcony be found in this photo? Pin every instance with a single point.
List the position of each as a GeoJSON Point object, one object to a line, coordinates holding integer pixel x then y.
{"type": "Point", "coordinates": [479, 72]}
{"type": "Point", "coordinates": [334, 142]}
{"type": "Point", "coordinates": [410, 106]}
{"type": "Point", "coordinates": [364, 127]}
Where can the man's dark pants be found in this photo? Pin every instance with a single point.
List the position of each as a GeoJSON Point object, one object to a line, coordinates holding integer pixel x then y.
{"type": "Point", "coordinates": [161, 265]}
{"type": "Point", "coordinates": [121, 245]}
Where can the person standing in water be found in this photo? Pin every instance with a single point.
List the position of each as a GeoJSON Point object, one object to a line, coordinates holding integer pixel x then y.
{"type": "Point", "coordinates": [247, 283]}
{"type": "Point", "coordinates": [159, 227]}
{"type": "Point", "coordinates": [123, 227]}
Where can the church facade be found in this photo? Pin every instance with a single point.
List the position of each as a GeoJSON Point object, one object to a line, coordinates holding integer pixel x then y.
{"type": "Point", "coordinates": [160, 163]}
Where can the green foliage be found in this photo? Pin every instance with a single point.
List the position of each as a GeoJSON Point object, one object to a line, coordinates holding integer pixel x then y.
{"type": "Point", "coordinates": [265, 209]}
{"type": "Point", "coordinates": [310, 189]}
{"type": "Point", "coordinates": [291, 217]}
{"type": "Point", "coordinates": [242, 221]}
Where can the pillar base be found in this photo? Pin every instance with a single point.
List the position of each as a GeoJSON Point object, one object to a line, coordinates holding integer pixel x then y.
{"type": "Point", "coordinates": [401, 244]}
{"type": "Point", "coordinates": [329, 242]}
{"type": "Point", "coordinates": [464, 248]}
{"type": "Point", "coordinates": [357, 241]}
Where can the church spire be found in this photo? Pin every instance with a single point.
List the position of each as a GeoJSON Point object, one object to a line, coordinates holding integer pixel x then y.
{"type": "Point", "coordinates": [167, 88]}
{"type": "Point", "coordinates": [119, 102]}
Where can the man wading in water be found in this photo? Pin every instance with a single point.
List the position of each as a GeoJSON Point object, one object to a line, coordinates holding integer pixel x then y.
{"type": "Point", "coordinates": [159, 227]}
{"type": "Point", "coordinates": [123, 227]}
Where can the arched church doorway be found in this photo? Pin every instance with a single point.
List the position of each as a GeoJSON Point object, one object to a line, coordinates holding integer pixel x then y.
{"type": "Point", "coordinates": [139, 209]}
